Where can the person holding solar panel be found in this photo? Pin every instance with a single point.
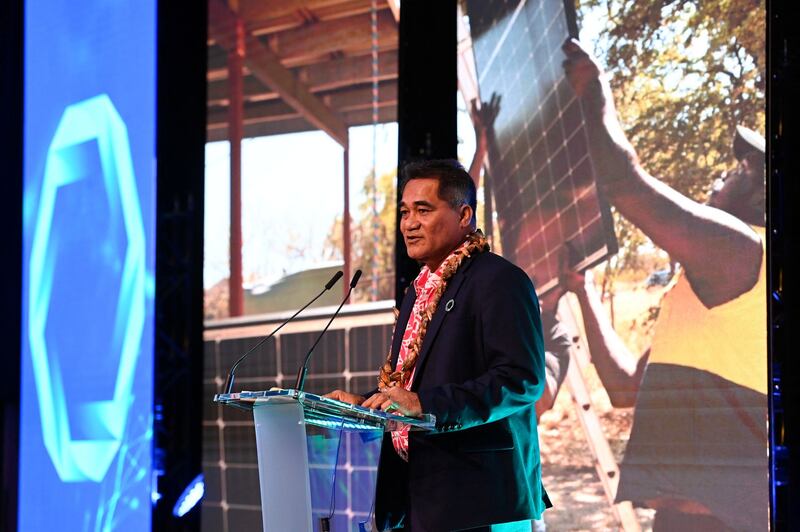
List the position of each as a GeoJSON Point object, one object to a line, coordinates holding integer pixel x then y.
{"type": "Point", "coordinates": [697, 452]}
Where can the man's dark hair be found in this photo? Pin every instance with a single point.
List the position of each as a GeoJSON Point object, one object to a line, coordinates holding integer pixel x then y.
{"type": "Point", "coordinates": [456, 187]}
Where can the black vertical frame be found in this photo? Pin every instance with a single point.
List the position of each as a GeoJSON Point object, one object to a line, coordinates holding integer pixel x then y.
{"type": "Point", "coordinates": [11, 149]}
{"type": "Point", "coordinates": [180, 148]}
{"type": "Point", "coordinates": [426, 103]}
{"type": "Point", "coordinates": [783, 137]}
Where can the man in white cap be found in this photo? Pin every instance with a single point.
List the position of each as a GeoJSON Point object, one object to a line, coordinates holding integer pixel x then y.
{"type": "Point", "coordinates": [697, 452]}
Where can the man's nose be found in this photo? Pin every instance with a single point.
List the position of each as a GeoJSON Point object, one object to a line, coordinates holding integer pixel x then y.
{"type": "Point", "coordinates": [410, 221]}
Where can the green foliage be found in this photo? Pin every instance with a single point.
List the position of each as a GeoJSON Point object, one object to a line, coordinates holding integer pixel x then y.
{"type": "Point", "coordinates": [684, 74]}
{"type": "Point", "coordinates": [372, 239]}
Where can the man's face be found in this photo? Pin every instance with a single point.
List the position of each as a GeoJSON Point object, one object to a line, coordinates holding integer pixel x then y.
{"type": "Point", "coordinates": [742, 189]}
{"type": "Point", "coordinates": [431, 228]}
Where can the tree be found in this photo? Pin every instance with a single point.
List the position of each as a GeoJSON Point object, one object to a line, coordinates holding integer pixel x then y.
{"type": "Point", "coordinates": [684, 73]}
{"type": "Point", "coordinates": [372, 239]}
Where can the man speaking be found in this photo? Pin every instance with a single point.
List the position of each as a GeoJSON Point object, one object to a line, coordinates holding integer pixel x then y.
{"type": "Point", "coordinates": [467, 348]}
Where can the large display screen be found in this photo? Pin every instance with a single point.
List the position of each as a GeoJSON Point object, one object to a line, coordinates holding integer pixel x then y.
{"type": "Point", "coordinates": [88, 265]}
{"type": "Point", "coordinates": [653, 119]}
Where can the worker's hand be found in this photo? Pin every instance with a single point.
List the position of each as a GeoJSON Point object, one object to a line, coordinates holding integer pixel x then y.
{"type": "Point", "coordinates": [569, 279]}
{"type": "Point", "coordinates": [581, 68]}
{"type": "Point", "coordinates": [395, 400]}
{"type": "Point", "coordinates": [483, 118]}
{"type": "Point", "coordinates": [548, 301]}
{"type": "Point", "coordinates": [345, 397]}
{"type": "Point", "coordinates": [613, 155]}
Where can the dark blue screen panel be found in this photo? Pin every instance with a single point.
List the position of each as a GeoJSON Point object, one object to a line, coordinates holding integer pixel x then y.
{"type": "Point", "coordinates": [88, 265]}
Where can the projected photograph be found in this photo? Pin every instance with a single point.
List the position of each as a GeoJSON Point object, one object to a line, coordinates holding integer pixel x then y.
{"type": "Point", "coordinates": [317, 88]}
{"type": "Point", "coordinates": [619, 154]}
{"type": "Point", "coordinates": [623, 166]}
{"type": "Point", "coordinates": [542, 178]}
{"type": "Point", "coordinates": [618, 150]}
{"type": "Point", "coordinates": [317, 151]}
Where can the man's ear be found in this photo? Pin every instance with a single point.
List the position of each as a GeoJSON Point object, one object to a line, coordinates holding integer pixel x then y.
{"type": "Point", "coordinates": [466, 215]}
{"type": "Point", "coordinates": [754, 165]}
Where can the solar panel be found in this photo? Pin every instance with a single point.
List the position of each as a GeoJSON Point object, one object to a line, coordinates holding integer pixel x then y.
{"type": "Point", "coordinates": [347, 358]}
{"type": "Point", "coordinates": [540, 175]}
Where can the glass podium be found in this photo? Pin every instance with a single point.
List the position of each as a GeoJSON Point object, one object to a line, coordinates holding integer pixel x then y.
{"type": "Point", "coordinates": [300, 439]}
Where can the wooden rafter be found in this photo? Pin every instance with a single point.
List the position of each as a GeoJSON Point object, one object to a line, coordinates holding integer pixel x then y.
{"type": "Point", "coordinates": [266, 66]}
{"type": "Point", "coordinates": [331, 75]}
{"type": "Point", "coordinates": [269, 16]}
{"type": "Point", "coordinates": [349, 36]}
{"type": "Point", "coordinates": [359, 117]}
{"type": "Point", "coordinates": [343, 101]}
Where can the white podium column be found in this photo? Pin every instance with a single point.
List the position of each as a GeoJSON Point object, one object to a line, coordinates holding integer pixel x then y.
{"type": "Point", "coordinates": [283, 465]}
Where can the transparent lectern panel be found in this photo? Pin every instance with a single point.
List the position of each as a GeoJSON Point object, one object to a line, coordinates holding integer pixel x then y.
{"type": "Point", "coordinates": [339, 458]}
{"type": "Point", "coordinates": [324, 447]}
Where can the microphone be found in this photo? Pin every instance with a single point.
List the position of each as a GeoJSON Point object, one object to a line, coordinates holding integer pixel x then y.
{"type": "Point", "coordinates": [229, 382]}
{"type": "Point", "coordinates": [301, 373]}
{"type": "Point", "coordinates": [336, 276]}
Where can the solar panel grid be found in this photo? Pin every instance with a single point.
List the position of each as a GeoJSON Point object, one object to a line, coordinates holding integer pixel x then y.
{"type": "Point", "coordinates": [541, 174]}
{"type": "Point", "coordinates": [345, 358]}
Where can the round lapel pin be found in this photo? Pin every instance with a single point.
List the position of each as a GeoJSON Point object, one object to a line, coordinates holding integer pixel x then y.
{"type": "Point", "coordinates": [449, 305]}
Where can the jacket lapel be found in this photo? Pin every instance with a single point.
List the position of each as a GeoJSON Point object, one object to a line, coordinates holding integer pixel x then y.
{"type": "Point", "coordinates": [439, 316]}
{"type": "Point", "coordinates": [402, 321]}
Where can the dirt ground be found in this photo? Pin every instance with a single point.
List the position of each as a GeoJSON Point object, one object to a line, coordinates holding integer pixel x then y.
{"type": "Point", "coordinates": [579, 502]}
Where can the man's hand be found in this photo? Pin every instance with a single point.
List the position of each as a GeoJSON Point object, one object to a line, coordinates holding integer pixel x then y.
{"type": "Point", "coordinates": [613, 156]}
{"type": "Point", "coordinates": [568, 279]}
{"type": "Point", "coordinates": [395, 399]}
{"type": "Point", "coordinates": [548, 302]}
{"type": "Point", "coordinates": [483, 118]}
{"type": "Point", "coordinates": [483, 122]}
{"type": "Point", "coordinates": [345, 397]}
{"type": "Point", "coordinates": [582, 70]}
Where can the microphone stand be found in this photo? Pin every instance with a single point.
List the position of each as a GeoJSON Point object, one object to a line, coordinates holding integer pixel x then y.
{"type": "Point", "coordinates": [301, 373]}
{"type": "Point", "coordinates": [328, 286]}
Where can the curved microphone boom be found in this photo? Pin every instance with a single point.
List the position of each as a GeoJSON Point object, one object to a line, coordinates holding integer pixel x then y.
{"type": "Point", "coordinates": [301, 373]}
{"type": "Point", "coordinates": [229, 382]}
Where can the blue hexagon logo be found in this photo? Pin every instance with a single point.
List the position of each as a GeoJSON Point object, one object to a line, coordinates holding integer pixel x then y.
{"type": "Point", "coordinates": [83, 435]}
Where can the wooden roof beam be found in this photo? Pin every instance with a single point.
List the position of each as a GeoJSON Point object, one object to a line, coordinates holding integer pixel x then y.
{"type": "Point", "coordinates": [327, 76]}
{"type": "Point", "coordinates": [294, 125]}
{"type": "Point", "coordinates": [266, 66]}
{"type": "Point", "coordinates": [349, 71]}
{"type": "Point", "coordinates": [343, 101]}
{"type": "Point", "coordinates": [264, 17]}
{"type": "Point", "coordinates": [217, 58]}
{"type": "Point", "coordinates": [351, 36]}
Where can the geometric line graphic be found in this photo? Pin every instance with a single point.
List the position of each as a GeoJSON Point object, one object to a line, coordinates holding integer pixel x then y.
{"type": "Point", "coordinates": [78, 459]}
